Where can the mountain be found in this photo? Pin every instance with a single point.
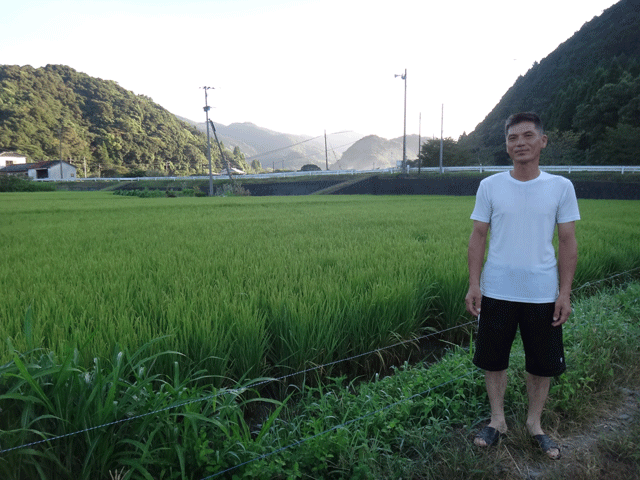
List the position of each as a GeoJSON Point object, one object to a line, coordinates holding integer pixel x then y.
{"type": "Point", "coordinates": [587, 92]}
{"type": "Point", "coordinates": [281, 150]}
{"type": "Point", "coordinates": [373, 152]}
{"type": "Point", "coordinates": [56, 111]}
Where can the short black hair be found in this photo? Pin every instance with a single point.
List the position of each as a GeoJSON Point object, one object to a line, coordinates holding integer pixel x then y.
{"type": "Point", "coordinates": [517, 118]}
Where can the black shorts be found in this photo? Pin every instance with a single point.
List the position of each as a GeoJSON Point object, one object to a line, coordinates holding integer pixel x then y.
{"type": "Point", "coordinates": [497, 325]}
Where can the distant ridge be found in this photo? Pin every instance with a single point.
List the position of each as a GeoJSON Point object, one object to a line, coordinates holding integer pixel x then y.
{"type": "Point", "coordinates": [373, 152]}
{"type": "Point", "coordinates": [281, 150]}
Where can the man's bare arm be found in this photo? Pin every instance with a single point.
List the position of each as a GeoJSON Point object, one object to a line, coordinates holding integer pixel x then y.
{"type": "Point", "coordinates": [567, 261]}
{"type": "Point", "coordinates": [477, 246]}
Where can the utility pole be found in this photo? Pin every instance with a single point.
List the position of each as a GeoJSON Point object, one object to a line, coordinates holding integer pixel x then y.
{"type": "Point", "coordinates": [441, 137]}
{"type": "Point", "coordinates": [404, 138]}
{"type": "Point", "coordinates": [206, 111]}
{"type": "Point", "coordinates": [419, 139]}
{"type": "Point", "coordinates": [60, 137]}
{"type": "Point", "coordinates": [326, 155]}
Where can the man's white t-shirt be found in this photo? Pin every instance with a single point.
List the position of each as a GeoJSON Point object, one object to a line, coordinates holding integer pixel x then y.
{"type": "Point", "coordinates": [521, 264]}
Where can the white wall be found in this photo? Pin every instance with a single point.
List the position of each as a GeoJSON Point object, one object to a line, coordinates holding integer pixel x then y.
{"type": "Point", "coordinates": [16, 160]}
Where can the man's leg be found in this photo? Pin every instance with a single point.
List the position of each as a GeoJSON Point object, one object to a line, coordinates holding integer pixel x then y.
{"type": "Point", "coordinates": [538, 390]}
{"type": "Point", "coordinates": [496, 383]}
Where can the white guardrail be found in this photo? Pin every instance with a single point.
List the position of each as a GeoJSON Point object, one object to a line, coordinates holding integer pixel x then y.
{"type": "Point", "coordinates": [478, 168]}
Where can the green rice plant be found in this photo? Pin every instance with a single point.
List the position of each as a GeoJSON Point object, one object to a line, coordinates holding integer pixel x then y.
{"type": "Point", "coordinates": [248, 287]}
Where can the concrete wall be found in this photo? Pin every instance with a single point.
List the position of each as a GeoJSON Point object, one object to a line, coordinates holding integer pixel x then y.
{"type": "Point", "coordinates": [469, 186]}
{"type": "Point", "coordinates": [53, 172]}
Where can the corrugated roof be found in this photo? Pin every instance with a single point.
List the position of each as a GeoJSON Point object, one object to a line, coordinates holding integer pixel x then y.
{"type": "Point", "coordinates": [12, 154]}
{"type": "Point", "coordinates": [23, 167]}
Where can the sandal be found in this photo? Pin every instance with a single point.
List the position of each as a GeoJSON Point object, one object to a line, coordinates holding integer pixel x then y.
{"type": "Point", "coordinates": [489, 435]}
{"type": "Point", "coordinates": [546, 444]}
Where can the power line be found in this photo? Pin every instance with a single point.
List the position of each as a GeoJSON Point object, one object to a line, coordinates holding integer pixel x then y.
{"type": "Point", "coordinates": [291, 146]}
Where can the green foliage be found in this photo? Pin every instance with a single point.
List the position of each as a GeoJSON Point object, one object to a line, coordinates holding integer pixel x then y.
{"type": "Point", "coordinates": [154, 193]}
{"type": "Point", "coordinates": [453, 153]}
{"type": "Point", "coordinates": [116, 131]}
{"type": "Point", "coordinates": [11, 183]}
{"type": "Point", "coordinates": [256, 166]}
{"type": "Point", "coordinates": [589, 87]}
{"type": "Point", "coordinates": [310, 167]}
{"type": "Point", "coordinates": [126, 414]}
{"type": "Point", "coordinates": [150, 424]}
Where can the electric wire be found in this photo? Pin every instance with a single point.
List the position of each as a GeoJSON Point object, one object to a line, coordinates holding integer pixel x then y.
{"type": "Point", "coordinates": [263, 382]}
{"type": "Point", "coordinates": [291, 146]}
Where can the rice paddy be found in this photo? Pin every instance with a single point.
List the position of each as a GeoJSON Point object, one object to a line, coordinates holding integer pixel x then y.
{"type": "Point", "coordinates": [246, 287]}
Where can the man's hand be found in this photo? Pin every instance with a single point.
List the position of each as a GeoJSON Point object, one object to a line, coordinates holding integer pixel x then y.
{"type": "Point", "coordinates": [562, 310]}
{"type": "Point", "coordinates": [473, 300]}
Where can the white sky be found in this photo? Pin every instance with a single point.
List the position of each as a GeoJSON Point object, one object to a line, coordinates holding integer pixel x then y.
{"type": "Point", "coordinates": [302, 66]}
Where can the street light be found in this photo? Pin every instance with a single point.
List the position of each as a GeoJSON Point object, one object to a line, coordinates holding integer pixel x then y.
{"type": "Point", "coordinates": [404, 138]}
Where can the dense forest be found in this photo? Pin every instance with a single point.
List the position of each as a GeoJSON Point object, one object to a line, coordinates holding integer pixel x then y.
{"type": "Point", "coordinates": [587, 93]}
{"type": "Point", "coordinates": [55, 111]}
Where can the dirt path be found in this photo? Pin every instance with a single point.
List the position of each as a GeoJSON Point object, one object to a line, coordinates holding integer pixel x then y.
{"type": "Point", "coordinates": [582, 454]}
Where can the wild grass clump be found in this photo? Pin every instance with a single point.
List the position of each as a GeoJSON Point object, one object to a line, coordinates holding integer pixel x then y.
{"type": "Point", "coordinates": [60, 420]}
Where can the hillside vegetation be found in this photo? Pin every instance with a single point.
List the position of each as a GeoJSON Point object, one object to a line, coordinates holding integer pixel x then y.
{"type": "Point", "coordinates": [587, 93]}
{"type": "Point", "coordinates": [56, 111]}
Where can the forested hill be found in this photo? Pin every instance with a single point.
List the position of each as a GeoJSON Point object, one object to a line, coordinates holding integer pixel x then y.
{"type": "Point", "coordinates": [587, 93]}
{"type": "Point", "coordinates": [116, 131]}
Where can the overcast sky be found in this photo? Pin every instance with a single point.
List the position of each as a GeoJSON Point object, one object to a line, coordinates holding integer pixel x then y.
{"type": "Point", "coordinates": [302, 66]}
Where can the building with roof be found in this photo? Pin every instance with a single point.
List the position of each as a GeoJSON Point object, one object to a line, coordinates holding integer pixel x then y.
{"type": "Point", "coordinates": [50, 170]}
{"type": "Point", "coordinates": [11, 158]}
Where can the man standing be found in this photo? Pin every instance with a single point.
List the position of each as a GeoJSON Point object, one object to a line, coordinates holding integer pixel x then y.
{"type": "Point", "coordinates": [521, 284]}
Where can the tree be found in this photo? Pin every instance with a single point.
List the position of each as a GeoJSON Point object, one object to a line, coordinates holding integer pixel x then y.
{"type": "Point", "coordinates": [562, 149]}
{"type": "Point", "coordinates": [453, 153]}
{"type": "Point", "coordinates": [619, 146]}
{"type": "Point", "coordinates": [310, 167]}
{"type": "Point", "coordinates": [256, 166]}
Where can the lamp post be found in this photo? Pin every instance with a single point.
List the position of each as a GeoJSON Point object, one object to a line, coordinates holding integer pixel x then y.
{"type": "Point", "coordinates": [441, 137]}
{"type": "Point", "coordinates": [206, 111]}
{"type": "Point", "coordinates": [404, 138]}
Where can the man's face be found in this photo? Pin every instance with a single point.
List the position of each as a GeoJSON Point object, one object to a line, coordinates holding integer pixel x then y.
{"type": "Point", "coordinates": [524, 142]}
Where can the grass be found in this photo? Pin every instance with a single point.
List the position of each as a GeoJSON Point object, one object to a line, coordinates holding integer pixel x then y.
{"type": "Point", "coordinates": [247, 287]}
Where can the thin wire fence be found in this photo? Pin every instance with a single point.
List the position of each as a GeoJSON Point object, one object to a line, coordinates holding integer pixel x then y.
{"type": "Point", "coordinates": [302, 372]}
{"type": "Point", "coordinates": [234, 390]}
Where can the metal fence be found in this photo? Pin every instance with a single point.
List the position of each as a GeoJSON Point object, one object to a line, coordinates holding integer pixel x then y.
{"type": "Point", "coordinates": [478, 168]}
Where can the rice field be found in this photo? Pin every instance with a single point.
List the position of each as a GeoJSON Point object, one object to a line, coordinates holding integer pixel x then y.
{"type": "Point", "coordinates": [246, 287]}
